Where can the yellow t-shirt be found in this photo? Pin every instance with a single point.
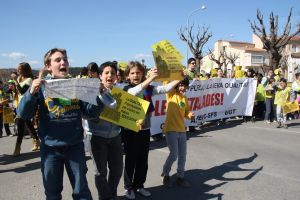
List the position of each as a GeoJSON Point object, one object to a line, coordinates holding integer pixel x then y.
{"type": "Point", "coordinates": [260, 93]}
{"type": "Point", "coordinates": [239, 74]}
{"type": "Point", "coordinates": [26, 81]}
{"type": "Point", "coordinates": [177, 109]}
{"type": "Point", "coordinates": [282, 96]}
{"type": "Point", "coordinates": [190, 74]}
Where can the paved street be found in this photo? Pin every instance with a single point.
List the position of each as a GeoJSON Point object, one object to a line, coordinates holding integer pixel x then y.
{"type": "Point", "coordinates": [235, 161]}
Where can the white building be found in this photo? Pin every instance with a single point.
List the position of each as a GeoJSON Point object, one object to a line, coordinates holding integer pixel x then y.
{"type": "Point", "coordinates": [252, 55]}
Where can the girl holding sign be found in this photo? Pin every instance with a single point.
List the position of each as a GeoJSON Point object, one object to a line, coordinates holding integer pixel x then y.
{"type": "Point", "coordinates": [177, 109]}
{"type": "Point", "coordinates": [136, 145]}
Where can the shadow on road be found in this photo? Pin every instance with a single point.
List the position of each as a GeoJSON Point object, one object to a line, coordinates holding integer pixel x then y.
{"type": "Point", "coordinates": [213, 126]}
{"type": "Point", "coordinates": [198, 178]}
{"type": "Point", "coordinates": [210, 126]}
{"type": "Point", "coordinates": [9, 159]}
{"type": "Point", "coordinates": [294, 124]}
{"type": "Point", "coordinates": [25, 168]}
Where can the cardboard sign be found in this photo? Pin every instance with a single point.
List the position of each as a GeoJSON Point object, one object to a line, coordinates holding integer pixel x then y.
{"type": "Point", "coordinates": [168, 61]}
{"type": "Point", "coordinates": [8, 115]}
{"type": "Point", "coordinates": [130, 112]}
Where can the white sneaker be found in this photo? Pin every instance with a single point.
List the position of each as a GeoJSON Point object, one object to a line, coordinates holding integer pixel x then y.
{"type": "Point", "coordinates": [143, 192]}
{"type": "Point", "coordinates": [129, 194]}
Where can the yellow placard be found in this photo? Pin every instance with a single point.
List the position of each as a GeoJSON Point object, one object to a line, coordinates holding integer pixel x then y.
{"type": "Point", "coordinates": [164, 73]}
{"type": "Point", "coordinates": [290, 107]}
{"type": "Point", "coordinates": [130, 112]}
{"type": "Point", "coordinates": [122, 65]}
{"type": "Point", "coordinates": [8, 115]}
{"type": "Point", "coordinates": [168, 61]}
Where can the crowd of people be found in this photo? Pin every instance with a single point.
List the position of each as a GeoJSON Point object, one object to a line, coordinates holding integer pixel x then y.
{"type": "Point", "coordinates": [59, 132]}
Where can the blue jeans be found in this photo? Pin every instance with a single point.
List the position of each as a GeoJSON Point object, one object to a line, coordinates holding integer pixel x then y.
{"type": "Point", "coordinates": [270, 109]}
{"type": "Point", "coordinates": [54, 159]}
{"type": "Point", "coordinates": [177, 145]}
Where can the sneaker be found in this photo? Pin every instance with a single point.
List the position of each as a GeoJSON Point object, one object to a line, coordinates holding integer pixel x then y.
{"type": "Point", "coordinates": [182, 182]}
{"type": "Point", "coordinates": [285, 126]}
{"type": "Point", "coordinates": [267, 121]}
{"type": "Point", "coordinates": [143, 192]}
{"type": "Point", "coordinates": [166, 181]}
{"type": "Point", "coordinates": [129, 194]}
{"type": "Point", "coordinates": [279, 125]}
{"type": "Point", "coordinates": [197, 128]}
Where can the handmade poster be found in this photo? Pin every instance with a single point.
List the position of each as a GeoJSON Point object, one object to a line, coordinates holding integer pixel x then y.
{"type": "Point", "coordinates": [130, 112]}
{"type": "Point", "coordinates": [168, 61]}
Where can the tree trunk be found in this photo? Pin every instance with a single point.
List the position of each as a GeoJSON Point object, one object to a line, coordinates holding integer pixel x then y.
{"type": "Point", "coordinates": [198, 63]}
{"type": "Point", "coordinates": [275, 58]}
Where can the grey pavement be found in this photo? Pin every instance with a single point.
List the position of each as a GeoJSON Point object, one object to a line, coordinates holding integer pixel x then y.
{"type": "Point", "coordinates": [234, 161]}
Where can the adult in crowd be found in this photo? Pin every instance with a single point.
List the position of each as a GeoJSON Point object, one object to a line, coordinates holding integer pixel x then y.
{"type": "Point", "coordinates": [190, 72]}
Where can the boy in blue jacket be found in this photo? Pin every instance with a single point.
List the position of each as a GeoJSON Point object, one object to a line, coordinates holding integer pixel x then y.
{"type": "Point", "coordinates": [60, 130]}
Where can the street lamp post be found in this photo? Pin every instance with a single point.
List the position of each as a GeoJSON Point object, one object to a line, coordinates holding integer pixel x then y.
{"type": "Point", "coordinates": [187, 27]}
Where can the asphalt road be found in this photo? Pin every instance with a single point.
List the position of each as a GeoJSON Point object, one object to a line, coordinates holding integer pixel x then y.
{"type": "Point", "coordinates": [235, 161]}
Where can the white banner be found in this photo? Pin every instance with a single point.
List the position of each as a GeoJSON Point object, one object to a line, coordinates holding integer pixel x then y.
{"type": "Point", "coordinates": [210, 100]}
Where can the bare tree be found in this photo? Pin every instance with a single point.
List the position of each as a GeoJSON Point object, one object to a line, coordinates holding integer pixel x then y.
{"type": "Point", "coordinates": [195, 42]}
{"type": "Point", "coordinates": [272, 42]}
{"type": "Point", "coordinates": [231, 58]}
{"type": "Point", "coordinates": [220, 61]}
{"type": "Point", "coordinates": [284, 61]}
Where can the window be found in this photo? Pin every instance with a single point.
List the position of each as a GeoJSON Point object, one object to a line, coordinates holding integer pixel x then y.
{"type": "Point", "coordinates": [257, 59]}
{"type": "Point", "coordinates": [294, 48]}
{"type": "Point", "coordinates": [224, 48]}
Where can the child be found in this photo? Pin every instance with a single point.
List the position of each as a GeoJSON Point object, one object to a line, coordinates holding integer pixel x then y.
{"type": "Point", "coordinates": [136, 145]}
{"type": "Point", "coordinates": [177, 109]}
{"type": "Point", "coordinates": [4, 98]}
{"type": "Point", "coordinates": [106, 144]}
{"type": "Point", "coordinates": [23, 83]}
{"type": "Point", "coordinates": [282, 96]}
{"type": "Point", "coordinates": [296, 93]}
{"type": "Point", "coordinates": [269, 99]}
{"type": "Point", "coordinates": [60, 130]}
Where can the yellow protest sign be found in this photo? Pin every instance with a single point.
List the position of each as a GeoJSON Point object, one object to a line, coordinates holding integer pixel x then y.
{"type": "Point", "coordinates": [130, 112]}
{"type": "Point", "coordinates": [122, 65]}
{"type": "Point", "coordinates": [8, 115]}
{"type": "Point", "coordinates": [290, 107]}
{"type": "Point", "coordinates": [168, 61]}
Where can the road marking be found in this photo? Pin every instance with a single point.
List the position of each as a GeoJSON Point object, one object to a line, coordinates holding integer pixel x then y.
{"type": "Point", "coordinates": [274, 129]}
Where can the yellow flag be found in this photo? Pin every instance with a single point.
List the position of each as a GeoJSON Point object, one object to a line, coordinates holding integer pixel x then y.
{"type": "Point", "coordinates": [290, 107]}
